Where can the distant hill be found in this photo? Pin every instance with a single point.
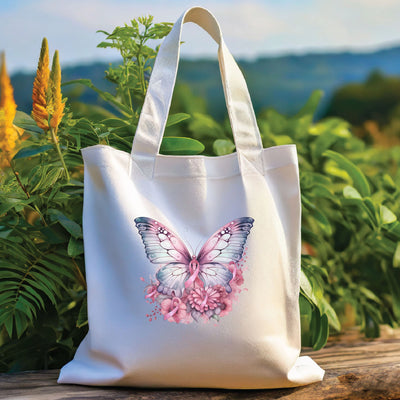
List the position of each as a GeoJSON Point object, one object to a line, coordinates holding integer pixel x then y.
{"type": "Point", "coordinates": [283, 82]}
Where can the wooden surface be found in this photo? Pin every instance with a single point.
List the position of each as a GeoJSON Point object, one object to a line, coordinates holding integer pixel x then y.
{"type": "Point", "coordinates": [355, 369]}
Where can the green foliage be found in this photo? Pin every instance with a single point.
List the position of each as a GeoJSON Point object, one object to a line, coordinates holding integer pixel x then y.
{"type": "Point", "coordinates": [375, 99]}
{"type": "Point", "coordinates": [349, 228]}
{"type": "Point", "coordinates": [130, 41]}
{"type": "Point", "coordinates": [350, 201]}
{"type": "Point", "coordinates": [131, 80]}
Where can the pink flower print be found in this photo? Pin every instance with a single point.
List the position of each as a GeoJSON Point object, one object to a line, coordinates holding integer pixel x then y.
{"type": "Point", "coordinates": [151, 293]}
{"type": "Point", "coordinates": [237, 279]}
{"type": "Point", "coordinates": [204, 299]}
{"type": "Point", "coordinates": [174, 310]}
{"type": "Point", "coordinates": [225, 306]}
{"type": "Point", "coordinates": [221, 290]}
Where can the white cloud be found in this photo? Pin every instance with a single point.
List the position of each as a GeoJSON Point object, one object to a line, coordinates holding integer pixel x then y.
{"type": "Point", "coordinates": [250, 27]}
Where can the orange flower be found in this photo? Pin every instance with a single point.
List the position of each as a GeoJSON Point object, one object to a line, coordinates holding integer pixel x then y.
{"type": "Point", "coordinates": [55, 104]}
{"type": "Point", "coordinates": [40, 86]}
{"type": "Point", "coordinates": [8, 108]}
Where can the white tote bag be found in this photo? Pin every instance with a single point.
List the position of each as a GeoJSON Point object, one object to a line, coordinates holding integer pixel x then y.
{"type": "Point", "coordinates": [192, 262]}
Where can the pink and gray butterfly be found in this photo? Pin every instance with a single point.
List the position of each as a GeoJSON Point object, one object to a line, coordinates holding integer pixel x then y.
{"type": "Point", "coordinates": [181, 269]}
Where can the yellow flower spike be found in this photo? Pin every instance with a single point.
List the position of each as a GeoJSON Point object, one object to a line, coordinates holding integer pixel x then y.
{"type": "Point", "coordinates": [3, 159]}
{"type": "Point", "coordinates": [8, 108]}
{"type": "Point", "coordinates": [55, 104]}
{"type": "Point", "coordinates": [40, 87]}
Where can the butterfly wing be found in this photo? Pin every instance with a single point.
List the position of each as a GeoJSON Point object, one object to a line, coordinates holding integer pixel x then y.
{"type": "Point", "coordinates": [215, 274]}
{"type": "Point", "coordinates": [172, 278]}
{"type": "Point", "coordinates": [162, 246]}
{"type": "Point", "coordinates": [227, 244]}
{"type": "Point", "coordinates": [224, 246]}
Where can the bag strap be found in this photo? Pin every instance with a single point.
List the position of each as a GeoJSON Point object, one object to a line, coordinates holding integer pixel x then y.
{"type": "Point", "coordinates": [153, 118]}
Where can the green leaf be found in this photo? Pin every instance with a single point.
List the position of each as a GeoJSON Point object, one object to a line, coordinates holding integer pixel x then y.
{"type": "Point", "coordinates": [394, 287]}
{"type": "Point", "coordinates": [281, 140]}
{"type": "Point", "coordinates": [322, 333]}
{"type": "Point", "coordinates": [32, 151]}
{"type": "Point", "coordinates": [21, 323]}
{"type": "Point", "coordinates": [9, 323]}
{"type": "Point", "coordinates": [329, 311]}
{"type": "Point", "coordinates": [370, 295]}
{"type": "Point", "coordinates": [75, 247]}
{"type": "Point", "coordinates": [322, 143]}
{"type": "Point", "coordinates": [323, 192]}
{"type": "Point", "coordinates": [115, 123]}
{"type": "Point", "coordinates": [223, 146]}
{"type": "Point", "coordinates": [26, 122]}
{"type": "Point", "coordinates": [372, 321]}
{"type": "Point", "coordinates": [4, 233]}
{"type": "Point", "coordinates": [371, 209]}
{"type": "Point", "coordinates": [44, 288]}
{"type": "Point", "coordinates": [394, 229]}
{"type": "Point", "coordinates": [9, 202]}
{"type": "Point", "coordinates": [387, 217]}
{"type": "Point", "coordinates": [396, 256]}
{"type": "Point", "coordinates": [53, 175]}
{"type": "Point", "coordinates": [306, 311]}
{"type": "Point", "coordinates": [204, 126]}
{"type": "Point", "coordinates": [306, 286]}
{"type": "Point", "coordinates": [350, 193]}
{"type": "Point", "coordinates": [70, 226]}
{"type": "Point", "coordinates": [332, 126]}
{"type": "Point", "coordinates": [83, 315]}
{"type": "Point", "coordinates": [181, 146]}
{"type": "Point", "coordinates": [359, 180]}
{"type": "Point", "coordinates": [33, 299]}
{"type": "Point", "coordinates": [311, 105]}
{"type": "Point", "coordinates": [322, 221]}
{"type": "Point", "coordinates": [174, 119]}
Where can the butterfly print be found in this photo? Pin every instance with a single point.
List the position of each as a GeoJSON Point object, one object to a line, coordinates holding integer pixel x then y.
{"type": "Point", "coordinates": [203, 276]}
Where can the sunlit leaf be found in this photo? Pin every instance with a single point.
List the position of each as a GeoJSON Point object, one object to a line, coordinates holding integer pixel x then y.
{"type": "Point", "coordinates": [223, 146]}
{"type": "Point", "coordinates": [359, 180]}
{"type": "Point", "coordinates": [387, 216]}
{"type": "Point", "coordinates": [396, 256]}
{"type": "Point", "coordinates": [174, 119]}
{"type": "Point", "coordinates": [181, 146]}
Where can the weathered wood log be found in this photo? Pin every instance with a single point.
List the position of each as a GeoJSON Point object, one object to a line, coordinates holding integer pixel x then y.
{"type": "Point", "coordinates": [354, 370]}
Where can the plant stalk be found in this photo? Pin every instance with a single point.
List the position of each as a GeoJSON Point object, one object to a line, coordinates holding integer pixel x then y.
{"type": "Point", "coordinates": [55, 141]}
{"type": "Point", "coordinates": [19, 180]}
{"type": "Point", "coordinates": [28, 196]}
{"type": "Point", "coordinates": [79, 275]}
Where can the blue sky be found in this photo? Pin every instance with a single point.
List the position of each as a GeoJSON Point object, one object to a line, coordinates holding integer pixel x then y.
{"type": "Point", "coordinates": [251, 28]}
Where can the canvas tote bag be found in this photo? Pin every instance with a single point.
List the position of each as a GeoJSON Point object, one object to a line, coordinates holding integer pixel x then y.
{"type": "Point", "coordinates": [192, 262]}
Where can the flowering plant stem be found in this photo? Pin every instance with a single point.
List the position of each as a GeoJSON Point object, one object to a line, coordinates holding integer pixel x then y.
{"type": "Point", "coordinates": [55, 141]}
{"type": "Point", "coordinates": [19, 180]}
{"type": "Point", "coordinates": [28, 196]}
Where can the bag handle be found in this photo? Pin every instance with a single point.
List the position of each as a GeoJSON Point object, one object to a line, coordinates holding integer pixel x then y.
{"type": "Point", "coordinates": [153, 118]}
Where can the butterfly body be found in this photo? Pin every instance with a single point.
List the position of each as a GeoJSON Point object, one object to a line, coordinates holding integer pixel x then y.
{"type": "Point", "coordinates": [194, 269]}
{"type": "Point", "coordinates": [179, 269]}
